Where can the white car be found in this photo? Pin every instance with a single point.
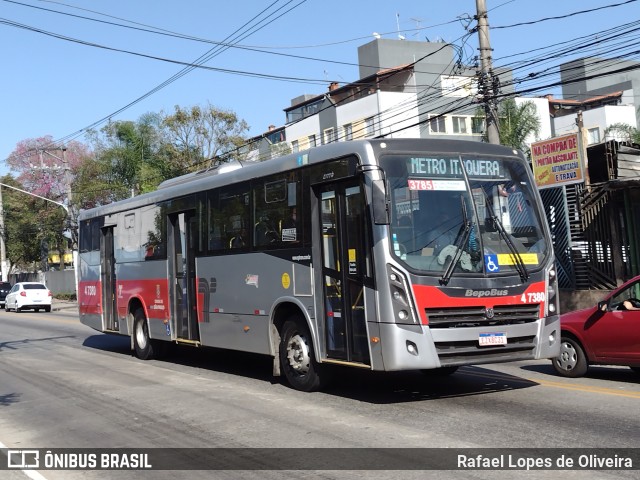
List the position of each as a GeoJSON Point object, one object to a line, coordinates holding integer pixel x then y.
{"type": "Point", "coordinates": [28, 295]}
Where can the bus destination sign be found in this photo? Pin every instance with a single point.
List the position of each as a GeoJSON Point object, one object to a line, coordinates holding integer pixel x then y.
{"type": "Point", "coordinates": [450, 167]}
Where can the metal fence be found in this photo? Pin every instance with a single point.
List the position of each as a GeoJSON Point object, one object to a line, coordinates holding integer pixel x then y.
{"type": "Point", "coordinates": [589, 232]}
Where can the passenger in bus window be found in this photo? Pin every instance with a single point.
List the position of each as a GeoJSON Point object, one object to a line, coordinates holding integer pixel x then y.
{"type": "Point", "coordinates": [239, 241]}
{"type": "Point", "coordinates": [215, 242]}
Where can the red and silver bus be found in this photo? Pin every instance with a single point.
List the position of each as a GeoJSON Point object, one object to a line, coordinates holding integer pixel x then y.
{"type": "Point", "coordinates": [387, 254]}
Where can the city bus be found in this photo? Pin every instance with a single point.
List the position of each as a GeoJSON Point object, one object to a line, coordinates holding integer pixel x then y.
{"type": "Point", "coordinates": [381, 254]}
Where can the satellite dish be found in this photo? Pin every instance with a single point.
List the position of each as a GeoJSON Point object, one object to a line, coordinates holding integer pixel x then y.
{"type": "Point", "coordinates": [376, 35]}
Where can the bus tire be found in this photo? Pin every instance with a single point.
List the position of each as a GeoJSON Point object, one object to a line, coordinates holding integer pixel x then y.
{"type": "Point", "coordinates": [572, 362]}
{"type": "Point", "coordinates": [297, 358]}
{"type": "Point", "coordinates": [141, 340]}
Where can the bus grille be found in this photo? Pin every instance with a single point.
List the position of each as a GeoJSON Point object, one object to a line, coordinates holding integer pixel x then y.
{"type": "Point", "coordinates": [464, 317]}
{"type": "Point", "coordinates": [464, 352]}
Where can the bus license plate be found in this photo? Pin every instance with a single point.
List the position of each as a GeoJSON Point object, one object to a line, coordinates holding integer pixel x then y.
{"type": "Point", "coordinates": [487, 339]}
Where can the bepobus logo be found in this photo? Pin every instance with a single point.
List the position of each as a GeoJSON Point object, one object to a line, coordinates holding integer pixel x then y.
{"type": "Point", "coordinates": [494, 292]}
{"type": "Point", "coordinates": [23, 459]}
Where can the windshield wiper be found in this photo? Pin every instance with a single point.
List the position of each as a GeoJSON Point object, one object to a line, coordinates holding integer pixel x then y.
{"type": "Point", "coordinates": [461, 240]}
{"type": "Point", "coordinates": [517, 260]}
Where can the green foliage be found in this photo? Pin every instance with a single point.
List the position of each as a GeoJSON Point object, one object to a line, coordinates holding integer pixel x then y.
{"type": "Point", "coordinates": [66, 296]}
{"type": "Point", "coordinates": [126, 157]}
{"type": "Point", "coordinates": [623, 132]}
{"type": "Point", "coordinates": [202, 134]}
{"type": "Point", "coordinates": [517, 123]}
{"type": "Point", "coordinates": [135, 157]}
{"type": "Point", "coordinates": [28, 222]}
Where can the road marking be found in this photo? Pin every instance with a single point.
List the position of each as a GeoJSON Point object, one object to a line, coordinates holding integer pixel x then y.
{"type": "Point", "coordinates": [589, 389]}
{"type": "Point", "coordinates": [546, 383]}
{"type": "Point", "coordinates": [33, 474]}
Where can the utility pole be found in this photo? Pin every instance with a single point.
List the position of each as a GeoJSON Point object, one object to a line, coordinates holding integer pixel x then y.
{"type": "Point", "coordinates": [486, 73]}
{"type": "Point", "coordinates": [3, 249]}
{"type": "Point", "coordinates": [582, 145]}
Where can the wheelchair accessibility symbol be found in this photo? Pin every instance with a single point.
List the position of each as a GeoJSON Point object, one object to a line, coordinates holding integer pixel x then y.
{"type": "Point", "coordinates": [491, 263]}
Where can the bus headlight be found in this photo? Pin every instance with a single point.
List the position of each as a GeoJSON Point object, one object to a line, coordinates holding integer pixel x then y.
{"type": "Point", "coordinates": [552, 291]}
{"type": "Point", "coordinates": [401, 300]}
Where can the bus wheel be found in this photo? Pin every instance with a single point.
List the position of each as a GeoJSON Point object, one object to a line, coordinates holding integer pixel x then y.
{"type": "Point", "coordinates": [141, 340]}
{"type": "Point", "coordinates": [297, 358]}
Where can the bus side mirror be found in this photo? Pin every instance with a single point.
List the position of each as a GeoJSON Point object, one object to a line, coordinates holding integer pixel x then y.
{"type": "Point", "coordinates": [380, 203]}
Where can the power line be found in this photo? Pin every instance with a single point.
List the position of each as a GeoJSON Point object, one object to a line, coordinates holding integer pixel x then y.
{"type": "Point", "coordinates": [558, 17]}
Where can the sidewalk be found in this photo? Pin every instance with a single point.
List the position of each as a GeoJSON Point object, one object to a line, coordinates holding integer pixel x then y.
{"type": "Point", "coordinates": [63, 305]}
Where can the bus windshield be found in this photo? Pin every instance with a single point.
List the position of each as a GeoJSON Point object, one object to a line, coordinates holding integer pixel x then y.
{"type": "Point", "coordinates": [444, 220]}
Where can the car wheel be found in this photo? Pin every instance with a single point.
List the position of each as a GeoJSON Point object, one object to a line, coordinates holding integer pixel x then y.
{"type": "Point", "coordinates": [47, 309]}
{"type": "Point", "coordinates": [635, 369]}
{"type": "Point", "coordinates": [141, 340]}
{"type": "Point", "coordinates": [572, 361]}
{"type": "Point", "coordinates": [297, 358]}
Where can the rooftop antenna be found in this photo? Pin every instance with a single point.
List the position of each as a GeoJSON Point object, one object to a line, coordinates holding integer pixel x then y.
{"type": "Point", "coordinates": [418, 26]}
{"type": "Point", "coordinates": [400, 37]}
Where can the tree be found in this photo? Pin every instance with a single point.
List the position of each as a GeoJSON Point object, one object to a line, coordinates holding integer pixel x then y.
{"type": "Point", "coordinates": [622, 132]}
{"type": "Point", "coordinates": [30, 223]}
{"type": "Point", "coordinates": [41, 166]}
{"type": "Point", "coordinates": [46, 169]}
{"type": "Point", "coordinates": [135, 157]}
{"type": "Point", "coordinates": [126, 161]}
{"type": "Point", "coordinates": [201, 134]}
{"type": "Point", "coordinates": [517, 123]}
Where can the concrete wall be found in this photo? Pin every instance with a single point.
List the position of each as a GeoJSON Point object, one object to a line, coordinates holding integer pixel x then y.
{"type": "Point", "coordinates": [578, 299]}
{"type": "Point", "coordinates": [57, 281]}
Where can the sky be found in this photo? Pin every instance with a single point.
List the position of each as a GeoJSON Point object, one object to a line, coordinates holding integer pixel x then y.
{"type": "Point", "coordinates": [64, 73]}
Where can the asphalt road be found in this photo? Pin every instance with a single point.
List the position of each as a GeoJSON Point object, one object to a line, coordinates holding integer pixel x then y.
{"type": "Point", "coordinates": [63, 385]}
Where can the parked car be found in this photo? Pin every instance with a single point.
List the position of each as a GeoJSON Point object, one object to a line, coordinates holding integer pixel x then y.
{"type": "Point", "coordinates": [606, 334]}
{"type": "Point", "coordinates": [28, 295]}
{"type": "Point", "coordinates": [4, 289]}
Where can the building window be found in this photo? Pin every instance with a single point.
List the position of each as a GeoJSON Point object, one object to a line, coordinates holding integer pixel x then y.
{"type": "Point", "coordinates": [329, 135]}
{"type": "Point", "coordinates": [369, 127]}
{"type": "Point", "coordinates": [436, 124]}
{"type": "Point", "coordinates": [312, 141]}
{"type": "Point", "coordinates": [459, 124]}
{"type": "Point", "coordinates": [348, 131]}
{"type": "Point", "coordinates": [294, 146]}
{"type": "Point", "coordinates": [478, 125]}
{"type": "Point", "coordinates": [594, 135]}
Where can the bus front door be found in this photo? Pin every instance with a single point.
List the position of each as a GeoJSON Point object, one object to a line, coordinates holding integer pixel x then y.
{"type": "Point", "coordinates": [345, 271]}
{"type": "Point", "coordinates": [183, 275]}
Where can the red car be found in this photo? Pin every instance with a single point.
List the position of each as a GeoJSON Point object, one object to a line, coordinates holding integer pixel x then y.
{"type": "Point", "coordinates": [605, 334]}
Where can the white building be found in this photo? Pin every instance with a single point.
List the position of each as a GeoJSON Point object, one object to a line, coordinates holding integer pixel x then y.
{"type": "Point", "coordinates": [417, 89]}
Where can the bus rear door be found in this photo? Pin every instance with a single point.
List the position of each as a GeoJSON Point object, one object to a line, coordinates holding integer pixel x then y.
{"type": "Point", "coordinates": [108, 280]}
{"type": "Point", "coordinates": [182, 271]}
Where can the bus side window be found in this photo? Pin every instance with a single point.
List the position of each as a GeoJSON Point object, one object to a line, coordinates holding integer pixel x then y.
{"type": "Point", "coordinates": [234, 213]}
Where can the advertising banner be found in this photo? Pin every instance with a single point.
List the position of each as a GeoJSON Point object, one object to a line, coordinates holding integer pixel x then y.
{"type": "Point", "coordinates": [557, 161]}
